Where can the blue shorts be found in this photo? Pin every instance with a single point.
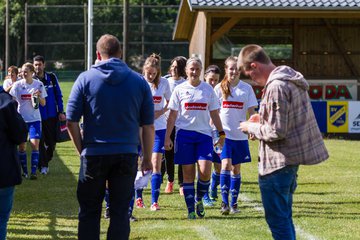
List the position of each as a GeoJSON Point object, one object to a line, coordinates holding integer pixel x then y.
{"type": "Point", "coordinates": [159, 141]}
{"type": "Point", "coordinates": [215, 157]}
{"type": "Point", "coordinates": [34, 129]}
{"type": "Point", "coordinates": [191, 146]}
{"type": "Point", "coordinates": [237, 150]}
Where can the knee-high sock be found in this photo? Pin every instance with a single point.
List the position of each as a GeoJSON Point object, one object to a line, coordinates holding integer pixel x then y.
{"type": "Point", "coordinates": [34, 161]}
{"type": "Point", "coordinates": [215, 181]}
{"type": "Point", "coordinates": [106, 198]}
{"type": "Point", "coordinates": [202, 188]}
{"type": "Point", "coordinates": [235, 188]}
{"type": "Point", "coordinates": [155, 187]}
{"type": "Point", "coordinates": [131, 205]}
{"type": "Point", "coordinates": [189, 195]}
{"type": "Point", "coordinates": [23, 161]}
{"type": "Point", "coordinates": [138, 193]}
{"type": "Point", "coordinates": [225, 185]}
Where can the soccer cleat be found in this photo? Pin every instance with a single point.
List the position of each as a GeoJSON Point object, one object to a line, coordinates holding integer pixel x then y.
{"type": "Point", "coordinates": [213, 195]}
{"type": "Point", "coordinates": [107, 213]}
{"type": "Point", "coordinates": [207, 201]}
{"type": "Point", "coordinates": [155, 207]}
{"type": "Point", "coordinates": [33, 176]}
{"type": "Point", "coordinates": [225, 210]}
{"type": "Point", "coordinates": [192, 215]}
{"type": "Point", "coordinates": [234, 209]}
{"type": "Point", "coordinates": [200, 211]}
{"type": "Point", "coordinates": [139, 203]}
{"type": "Point", "coordinates": [25, 175]}
{"type": "Point", "coordinates": [44, 170]}
{"type": "Point", "coordinates": [132, 219]}
{"type": "Point", "coordinates": [181, 191]}
{"type": "Point", "coordinates": [169, 187]}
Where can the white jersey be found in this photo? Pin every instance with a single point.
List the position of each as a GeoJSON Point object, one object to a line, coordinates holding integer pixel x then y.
{"type": "Point", "coordinates": [173, 83]}
{"type": "Point", "coordinates": [7, 83]}
{"type": "Point", "coordinates": [193, 105]}
{"type": "Point", "coordinates": [234, 108]}
{"type": "Point", "coordinates": [22, 92]}
{"type": "Point", "coordinates": [161, 95]}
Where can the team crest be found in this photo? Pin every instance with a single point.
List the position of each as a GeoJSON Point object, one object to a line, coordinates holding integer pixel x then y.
{"type": "Point", "coordinates": [338, 115]}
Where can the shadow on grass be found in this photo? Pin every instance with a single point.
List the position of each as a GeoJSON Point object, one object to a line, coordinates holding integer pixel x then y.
{"type": "Point", "coordinates": [47, 208]}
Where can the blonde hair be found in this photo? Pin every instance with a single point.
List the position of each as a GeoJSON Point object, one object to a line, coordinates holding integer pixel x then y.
{"type": "Point", "coordinates": [29, 65]}
{"type": "Point", "coordinates": [154, 61]}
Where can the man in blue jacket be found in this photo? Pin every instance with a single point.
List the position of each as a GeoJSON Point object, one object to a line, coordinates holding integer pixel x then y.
{"type": "Point", "coordinates": [13, 131]}
{"type": "Point", "coordinates": [114, 102]}
{"type": "Point", "coordinates": [50, 113]}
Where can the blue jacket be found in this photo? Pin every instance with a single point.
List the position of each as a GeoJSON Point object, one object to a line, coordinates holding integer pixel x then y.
{"type": "Point", "coordinates": [114, 101]}
{"type": "Point", "coordinates": [13, 131]}
{"type": "Point", "coordinates": [54, 103]}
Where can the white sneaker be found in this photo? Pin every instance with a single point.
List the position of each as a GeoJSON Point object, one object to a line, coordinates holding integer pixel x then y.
{"type": "Point", "coordinates": [44, 170]}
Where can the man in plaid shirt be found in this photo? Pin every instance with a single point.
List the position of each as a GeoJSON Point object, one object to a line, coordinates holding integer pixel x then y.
{"type": "Point", "coordinates": [288, 133]}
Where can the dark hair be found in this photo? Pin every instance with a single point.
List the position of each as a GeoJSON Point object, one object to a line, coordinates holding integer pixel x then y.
{"type": "Point", "coordinates": [108, 45]}
{"type": "Point", "coordinates": [13, 69]}
{"type": "Point", "coordinates": [39, 58]}
{"type": "Point", "coordinates": [154, 61]}
{"type": "Point", "coordinates": [225, 84]}
{"type": "Point", "coordinates": [181, 64]}
{"type": "Point", "coordinates": [212, 68]}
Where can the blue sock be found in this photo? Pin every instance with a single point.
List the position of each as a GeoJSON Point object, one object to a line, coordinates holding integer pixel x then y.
{"type": "Point", "coordinates": [34, 161]}
{"type": "Point", "coordinates": [106, 198]}
{"type": "Point", "coordinates": [202, 188]}
{"type": "Point", "coordinates": [138, 193]}
{"type": "Point", "coordinates": [155, 187]}
{"type": "Point", "coordinates": [131, 205]}
{"type": "Point", "coordinates": [23, 161]}
{"type": "Point", "coordinates": [225, 185]}
{"type": "Point", "coordinates": [215, 181]}
{"type": "Point", "coordinates": [235, 188]}
{"type": "Point", "coordinates": [189, 195]}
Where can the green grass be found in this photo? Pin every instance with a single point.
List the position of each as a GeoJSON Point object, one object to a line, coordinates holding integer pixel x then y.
{"type": "Point", "coordinates": [326, 203]}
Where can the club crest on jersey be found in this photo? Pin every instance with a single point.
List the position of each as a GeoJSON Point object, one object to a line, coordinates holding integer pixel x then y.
{"type": "Point", "coordinates": [232, 104]}
{"type": "Point", "coordinates": [196, 106]}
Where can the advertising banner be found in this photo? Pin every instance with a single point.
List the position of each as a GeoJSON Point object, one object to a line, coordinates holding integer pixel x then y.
{"type": "Point", "coordinates": [337, 117]}
{"type": "Point", "coordinates": [319, 108]}
{"type": "Point", "coordinates": [354, 117]}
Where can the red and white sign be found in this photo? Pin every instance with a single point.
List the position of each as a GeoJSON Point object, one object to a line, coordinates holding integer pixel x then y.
{"type": "Point", "coordinates": [196, 106]}
{"type": "Point", "coordinates": [232, 104]}
{"type": "Point", "coordinates": [157, 99]}
{"type": "Point", "coordinates": [25, 96]}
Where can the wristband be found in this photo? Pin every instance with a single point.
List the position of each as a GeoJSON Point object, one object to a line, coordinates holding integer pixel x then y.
{"type": "Point", "coordinates": [222, 134]}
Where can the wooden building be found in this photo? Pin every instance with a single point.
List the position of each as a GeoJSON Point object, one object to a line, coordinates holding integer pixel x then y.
{"type": "Point", "coordinates": [319, 38]}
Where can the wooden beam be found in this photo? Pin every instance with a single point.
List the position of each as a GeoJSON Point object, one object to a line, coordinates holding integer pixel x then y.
{"type": "Point", "coordinates": [224, 29]}
{"type": "Point", "coordinates": [341, 49]}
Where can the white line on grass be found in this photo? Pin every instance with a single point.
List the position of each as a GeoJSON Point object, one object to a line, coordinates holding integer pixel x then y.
{"type": "Point", "coordinates": [203, 231]}
{"type": "Point", "coordinates": [259, 208]}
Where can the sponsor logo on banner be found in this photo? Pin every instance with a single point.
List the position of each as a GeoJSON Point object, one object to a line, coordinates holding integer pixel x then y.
{"type": "Point", "coordinates": [232, 104]}
{"type": "Point", "coordinates": [337, 116]}
{"type": "Point", "coordinates": [25, 96]}
{"type": "Point", "coordinates": [354, 117]}
{"type": "Point", "coordinates": [196, 106]}
{"type": "Point", "coordinates": [157, 99]}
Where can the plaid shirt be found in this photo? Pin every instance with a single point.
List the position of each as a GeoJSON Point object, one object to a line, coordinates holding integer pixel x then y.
{"type": "Point", "coordinates": [288, 131]}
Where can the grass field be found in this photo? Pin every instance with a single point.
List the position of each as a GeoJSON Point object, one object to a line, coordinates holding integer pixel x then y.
{"type": "Point", "coordinates": [326, 203]}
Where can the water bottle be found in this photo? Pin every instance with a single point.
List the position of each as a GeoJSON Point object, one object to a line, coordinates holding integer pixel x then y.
{"type": "Point", "coordinates": [215, 138]}
{"type": "Point", "coordinates": [35, 101]}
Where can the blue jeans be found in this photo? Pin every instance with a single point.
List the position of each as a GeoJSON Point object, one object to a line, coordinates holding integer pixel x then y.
{"type": "Point", "coordinates": [120, 171]}
{"type": "Point", "coordinates": [6, 201]}
{"type": "Point", "coordinates": [277, 191]}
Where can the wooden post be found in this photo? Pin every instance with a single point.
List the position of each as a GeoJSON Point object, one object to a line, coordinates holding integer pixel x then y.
{"type": "Point", "coordinates": [26, 32]}
{"type": "Point", "coordinates": [125, 30]}
{"type": "Point", "coordinates": [7, 52]}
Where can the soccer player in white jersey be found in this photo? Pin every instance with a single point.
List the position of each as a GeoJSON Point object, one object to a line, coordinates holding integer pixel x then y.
{"type": "Point", "coordinates": [190, 105]}
{"type": "Point", "coordinates": [161, 95]}
{"type": "Point", "coordinates": [236, 98]}
{"type": "Point", "coordinates": [24, 91]}
{"type": "Point", "coordinates": [176, 76]}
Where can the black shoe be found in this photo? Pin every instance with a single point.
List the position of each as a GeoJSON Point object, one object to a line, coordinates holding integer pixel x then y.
{"type": "Point", "coordinates": [107, 213]}
{"type": "Point", "coordinates": [33, 176]}
{"type": "Point", "coordinates": [132, 219]}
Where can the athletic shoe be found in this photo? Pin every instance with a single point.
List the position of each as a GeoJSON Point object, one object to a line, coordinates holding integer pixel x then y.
{"type": "Point", "coordinates": [33, 176]}
{"type": "Point", "coordinates": [132, 219]}
{"type": "Point", "coordinates": [208, 202]}
{"type": "Point", "coordinates": [234, 209]}
{"type": "Point", "coordinates": [169, 187]}
{"type": "Point", "coordinates": [107, 213]}
{"type": "Point", "coordinates": [44, 170]}
{"type": "Point", "coordinates": [25, 175]}
{"type": "Point", "coordinates": [155, 207]}
{"type": "Point", "coordinates": [200, 211]}
{"type": "Point", "coordinates": [139, 203]}
{"type": "Point", "coordinates": [192, 216]}
{"type": "Point", "coordinates": [213, 195]}
{"type": "Point", "coordinates": [181, 191]}
{"type": "Point", "coordinates": [225, 210]}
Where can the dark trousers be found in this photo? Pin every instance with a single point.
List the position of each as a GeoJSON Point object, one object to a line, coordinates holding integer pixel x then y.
{"type": "Point", "coordinates": [47, 141]}
{"type": "Point", "coordinates": [169, 166]}
{"type": "Point", "coordinates": [120, 171]}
